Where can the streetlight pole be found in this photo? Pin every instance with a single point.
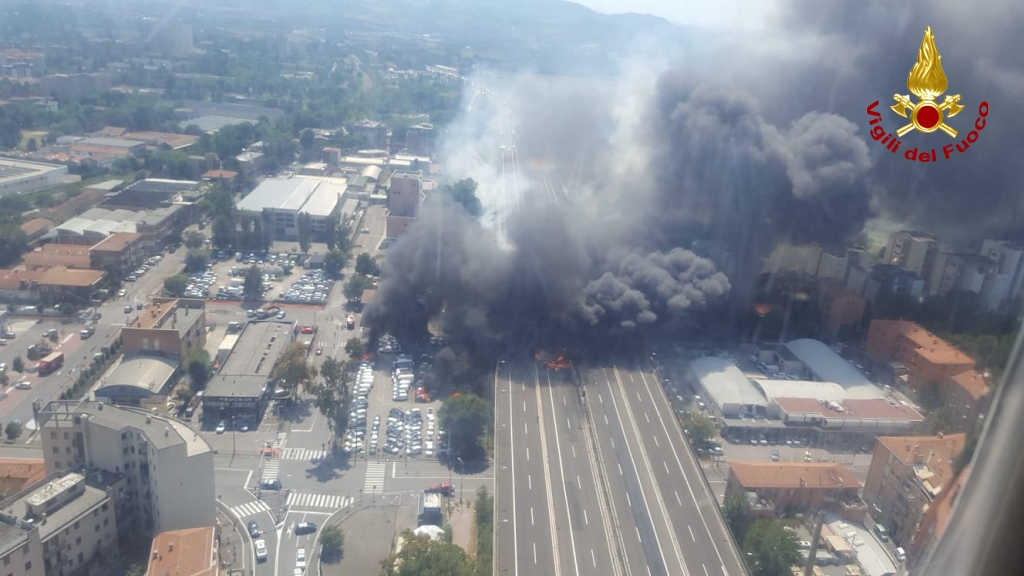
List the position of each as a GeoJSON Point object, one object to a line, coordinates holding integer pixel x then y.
{"type": "Point", "coordinates": [233, 433]}
{"type": "Point", "coordinates": [462, 481]}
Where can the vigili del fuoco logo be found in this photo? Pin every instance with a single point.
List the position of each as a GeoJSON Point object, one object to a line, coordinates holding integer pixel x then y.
{"type": "Point", "coordinates": [927, 81]}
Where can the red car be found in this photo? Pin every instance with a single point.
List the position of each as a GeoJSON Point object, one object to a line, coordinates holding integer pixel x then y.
{"type": "Point", "coordinates": [307, 330]}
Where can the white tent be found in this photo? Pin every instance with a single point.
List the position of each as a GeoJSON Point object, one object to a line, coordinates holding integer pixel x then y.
{"type": "Point", "coordinates": [434, 532]}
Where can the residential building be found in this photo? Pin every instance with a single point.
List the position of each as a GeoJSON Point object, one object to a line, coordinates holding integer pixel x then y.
{"type": "Point", "coordinates": [891, 279]}
{"type": "Point", "coordinates": [404, 197]}
{"type": "Point", "coordinates": [170, 327]}
{"type": "Point", "coordinates": [149, 194]}
{"type": "Point", "coordinates": [1010, 259]}
{"type": "Point", "coordinates": [35, 228]}
{"type": "Point", "coordinates": [120, 252]}
{"type": "Point", "coordinates": [907, 474]}
{"type": "Point", "coordinates": [967, 396]}
{"type": "Point", "coordinates": [841, 309]}
{"type": "Point", "coordinates": [331, 155]}
{"type": "Point", "coordinates": [189, 552]}
{"type": "Point", "coordinates": [72, 87]}
{"type": "Point", "coordinates": [172, 39]}
{"type": "Point", "coordinates": [168, 466]}
{"type": "Point", "coordinates": [20, 176]}
{"type": "Point", "coordinates": [912, 251]}
{"type": "Point", "coordinates": [374, 133]}
{"type": "Point", "coordinates": [16, 474]}
{"type": "Point", "coordinates": [281, 200]}
{"type": "Point", "coordinates": [67, 525]}
{"type": "Point", "coordinates": [60, 284]}
{"type": "Point", "coordinates": [67, 255]}
{"type": "Point", "coordinates": [228, 179]}
{"type": "Point", "coordinates": [419, 139]}
{"type": "Point", "coordinates": [251, 163]}
{"type": "Point", "coordinates": [773, 488]}
{"type": "Point", "coordinates": [929, 360]}
{"type": "Point", "coordinates": [935, 520]}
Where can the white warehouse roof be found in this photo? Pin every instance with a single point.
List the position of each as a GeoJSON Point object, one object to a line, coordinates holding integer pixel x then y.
{"type": "Point", "coordinates": [802, 389]}
{"type": "Point", "coordinates": [725, 382]}
{"type": "Point", "coordinates": [828, 366]}
{"type": "Point", "coordinates": [296, 194]}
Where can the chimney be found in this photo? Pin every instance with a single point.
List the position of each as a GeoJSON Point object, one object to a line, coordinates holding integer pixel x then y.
{"type": "Point", "coordinates": [167, 431]}
{"type": "Point", "coordinates": [170, 547]}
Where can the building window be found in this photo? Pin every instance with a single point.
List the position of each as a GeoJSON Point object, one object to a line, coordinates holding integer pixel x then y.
{"type": "Point", "coordinates": [53, 435]}
{"type": "Point", "coordinates": [76, 525]}
{"type": "Point", "coordinates": [28, 565]}
{"type": "Point", "coordinates": [56, 449]}
{"type": "Point", "coordinates": [78, 541]}
{"type": "Point", "coordinates": [104, 507]}
{"type": "Point", "coordinates": [24, 549]}
{"type": "Point", "coordinates": [106, 521]}
{"type": "Point", "coordinates": [81, 557]}
{"type": "Point", "coordinates": [97, 529]}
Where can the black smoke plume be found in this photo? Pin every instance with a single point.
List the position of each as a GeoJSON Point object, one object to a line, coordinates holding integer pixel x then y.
{"type": "Point", "coordinates": [764, 141]}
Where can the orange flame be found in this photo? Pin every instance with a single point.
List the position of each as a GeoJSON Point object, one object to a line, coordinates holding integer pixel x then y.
{"type": "Point", "coordinates": [367, 355]}
{"type": "Point", "coordinates": [559, 363]}
{"type": "Point", "coordinates": [926, 79]}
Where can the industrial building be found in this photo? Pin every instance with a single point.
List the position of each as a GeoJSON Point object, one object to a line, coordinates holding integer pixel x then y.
{"type": "Point", "coordinates": [281, 200]}
{"type": "Point", "coordinates": [168, 466]}
{"type": "Point", "coordinates": [138, 380]}
{"type": "Point", "coordinates": [241, 389]}
{"type": "Point", "coordinates": [21, 176]}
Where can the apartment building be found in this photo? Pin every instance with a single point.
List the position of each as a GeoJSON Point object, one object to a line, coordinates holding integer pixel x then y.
{"type": "Point", "coordinates": [907, 474]}
{"type": "Point", "coordinates": [912, 251]}
{"type": "Point", "coordinates": [927, 358]}
{"type": "Point", "coordinates": [189, 552]}
{"type": "Point", "coordinates": [171, 327]}
{"type": "Point", "coordinates": [121, 251]}
{"type": "Point", "coordinates": [772, 488]}
{"type": "Point", "coordinates": [64, 526]}
{"type": "Point", "coordinates": [168, 467]}
{"type": "Point", "coordinates": [841, 309]}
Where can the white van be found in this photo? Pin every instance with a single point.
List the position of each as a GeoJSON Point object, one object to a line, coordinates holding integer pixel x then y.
{"type": "Point", "coordinates": [261, 550]}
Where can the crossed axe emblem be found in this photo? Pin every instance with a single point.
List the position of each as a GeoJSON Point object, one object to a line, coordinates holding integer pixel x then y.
{"type": "Point", "coordinates": [950, 104]}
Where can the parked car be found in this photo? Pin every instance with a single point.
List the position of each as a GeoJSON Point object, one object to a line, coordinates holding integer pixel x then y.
{"type": "Point", "coordinates": [254, 529]}
{"type": "Point", "coordinates": [305, 528]}
{"type": "Point", "coordinates": [261, 550]}
{"type": "Point", "coordinates": [221, 427]}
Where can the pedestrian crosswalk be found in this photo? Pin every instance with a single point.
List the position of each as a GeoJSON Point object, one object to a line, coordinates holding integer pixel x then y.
{"type": "Point", "coordinates": [329, 501]}
{"type": "Point", "coordinates": [375, 472]}
{"type": "Point", "coordinates": [302, 454]}
{"type": "Point", "coordinates": [271, 469]}
{"type": "Point", "coordinates": [282, 437]}
{"type": "Point", "coordinates": [250, 508]}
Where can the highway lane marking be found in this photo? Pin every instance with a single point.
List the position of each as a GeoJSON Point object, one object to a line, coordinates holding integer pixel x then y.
{"type": "Point", "coordinates": [606, 419]}
{"type": "Point", "coordinates": [640, 539]}
{"type": "Point", "coordinates": [593, 559]}
{"type": "Point", "coordinates": [532, 523]}
{"type": "Point", "coordinates": [600, 399]}
{"type": "Point", "coordinates": [545, 458]}
{"type": "Point", "coordinates": [574, 451]}
{"type": "Point", "coordinates": [568, 424]}
{"type": "Point", "coordinates": [692, 537]}
{"type": "Point", "coordinates": [705, 570]}
{"type": "Point", "coordinates": [678, 500]}
{"type": "Point", "coordinates": [561, 472]}
{"type": "Point", "coordinates": [666, 467]}
{"type": "Point", "coordinates": [585, 520]}
{"type": "Point", "coordinates": [578, 483]}
{"type": "Point", "coordinates": [686, 480]}
{"type": "Point", "coordinates": [534, 552]}
{"type": "Point", "coordinates": [646, 417]}
{"type": "Point", "coordinates": [638, 398]}
{"type": "Point", "coordinates": [629, 500]}
{"type": "Point", "coordinates": [526, 428]}
{"type": "Point", "coordinates": [563, 400]}
{"type": "Point", "coordinates": [527, 452]}
{"type": "Point", "coordinates": [620, 468]}
{"type": "Point", "coordinates": [612, 440]}
{"type": "Point", "coordinates": [512, 449]}
{"type": "Point", "coordinates": [529, 482]}
{"type": "Point", "coordinates": [524, 405]}
{"type": "Point", "coordinates": [656, 441]}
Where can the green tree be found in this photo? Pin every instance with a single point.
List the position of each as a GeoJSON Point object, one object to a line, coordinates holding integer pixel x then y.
{"type": "Point", "coordinates": [13, 243]}
{"type": "Point", "coordinates": [176, 285]}
{"type": "Point", "coordinates": [365, 264]}
{"type": "Point", "coordinates": [31, 145]}
{"type": "Point", "coordinates": [196, 260]}
{"type": "Point", "coordinates": [305, 232]}
{"type": "Point", "coordinates": [464, 192]}
{"type": "Point", "coordinates": [771, 548]}
{"type": "Point", "coordinates": [465, 417]}
{"type": "Point", "coordinates": [929, 397]}
{"type": "Point", "coordinates": [735, 511]}
{"type": "Point", "coordinates": [700, 428]}
{"type": "Point", "coordinates": [353, 289]}
{"type": "Point", "coordinates": [307, 138]}
{"type": "Point", "coordinates": [423, 556]}
{"type": "Point", "coordinates": [199, 369]}
{"type": "Point", "coordinates": [252, 287]}
{"type": "Point", "coordinates": [940, 420]}
{"type": "Point", "coordinates": [135, 570]}
{"type": "Point", "coordinates": [331, 233]}
{"type": "Point", "coordinates": [13, 431]}
{"type": "Point", "coordinates": [223, 231]}
{"type": "Point", "coordinates": [355, 348]}
{"type": "Point", "coordinates": [332, 394]}
{"type": "Point", "coordinates": [18, 364]}
{"type": "Point", "coordinates": [195, 240]}
{"type": "Point", "coordinates": [484, 518]}
{"type": "Point", "coordinates": [334, 261]}
{"type": "Point", "coordinates": [292, 368]}
{"type": "Point", "coordinates": [332, 544]}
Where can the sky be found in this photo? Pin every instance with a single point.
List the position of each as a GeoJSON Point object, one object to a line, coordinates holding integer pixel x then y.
{"type": "Point", "coordinates": [719, 15]}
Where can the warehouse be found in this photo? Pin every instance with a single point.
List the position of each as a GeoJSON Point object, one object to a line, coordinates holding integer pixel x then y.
{"type": "Point", "coordinates": [281, 200]}
{"type": "Point", "coordinates": [20, 176]}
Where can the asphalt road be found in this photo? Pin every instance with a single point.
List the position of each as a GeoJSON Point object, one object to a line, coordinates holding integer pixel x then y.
{"type": "Point", "coordinates": [695, 526]}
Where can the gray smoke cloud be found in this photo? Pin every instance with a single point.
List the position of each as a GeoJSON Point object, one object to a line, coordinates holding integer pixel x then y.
{"type": "Point", "coordinates": [756, 141]}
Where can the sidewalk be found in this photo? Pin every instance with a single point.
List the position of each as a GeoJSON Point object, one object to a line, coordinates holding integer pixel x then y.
{"type": "Point", "coordinates": [234, 551]}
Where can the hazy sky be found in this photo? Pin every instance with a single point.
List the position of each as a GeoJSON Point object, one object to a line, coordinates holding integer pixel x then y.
{"type": "Point", "coordinates": [718, 15]}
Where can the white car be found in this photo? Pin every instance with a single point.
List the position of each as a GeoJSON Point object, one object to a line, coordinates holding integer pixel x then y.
{"type": "Point", "coordinates": [122, 292]}
{"type": "Point", "coordinates": [300, 559]}
{"type": "Point", "coordinates": [221, 427]}
{"type": "Point", "coordinates": [23, 385]}
{"type": "Point", "coordinates": [261, 550]}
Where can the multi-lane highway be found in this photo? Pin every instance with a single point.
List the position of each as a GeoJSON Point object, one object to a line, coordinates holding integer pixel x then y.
{"type": "Point", "coordinates": [594, 477]}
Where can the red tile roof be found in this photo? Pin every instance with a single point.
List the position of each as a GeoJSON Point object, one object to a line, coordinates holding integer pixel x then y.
{"type": "Point", "coordinates": [214, 174]}
{"type": "Point", "coordinates": [973, 382]}
{"type": "Point", "coordinates": [26, 470]}
{"type": "Point", "coordinates": [189, 552]}
{"type": "Point", "coordinates": [117, 242]}
{"type": "Point", "coordinates": [793, 475]}
{"type": "Point", "coordinates": [937, 452]}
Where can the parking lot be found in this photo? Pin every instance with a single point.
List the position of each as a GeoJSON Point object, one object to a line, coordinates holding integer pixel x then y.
{"type": "Point", "coordinates": [386, 420]}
